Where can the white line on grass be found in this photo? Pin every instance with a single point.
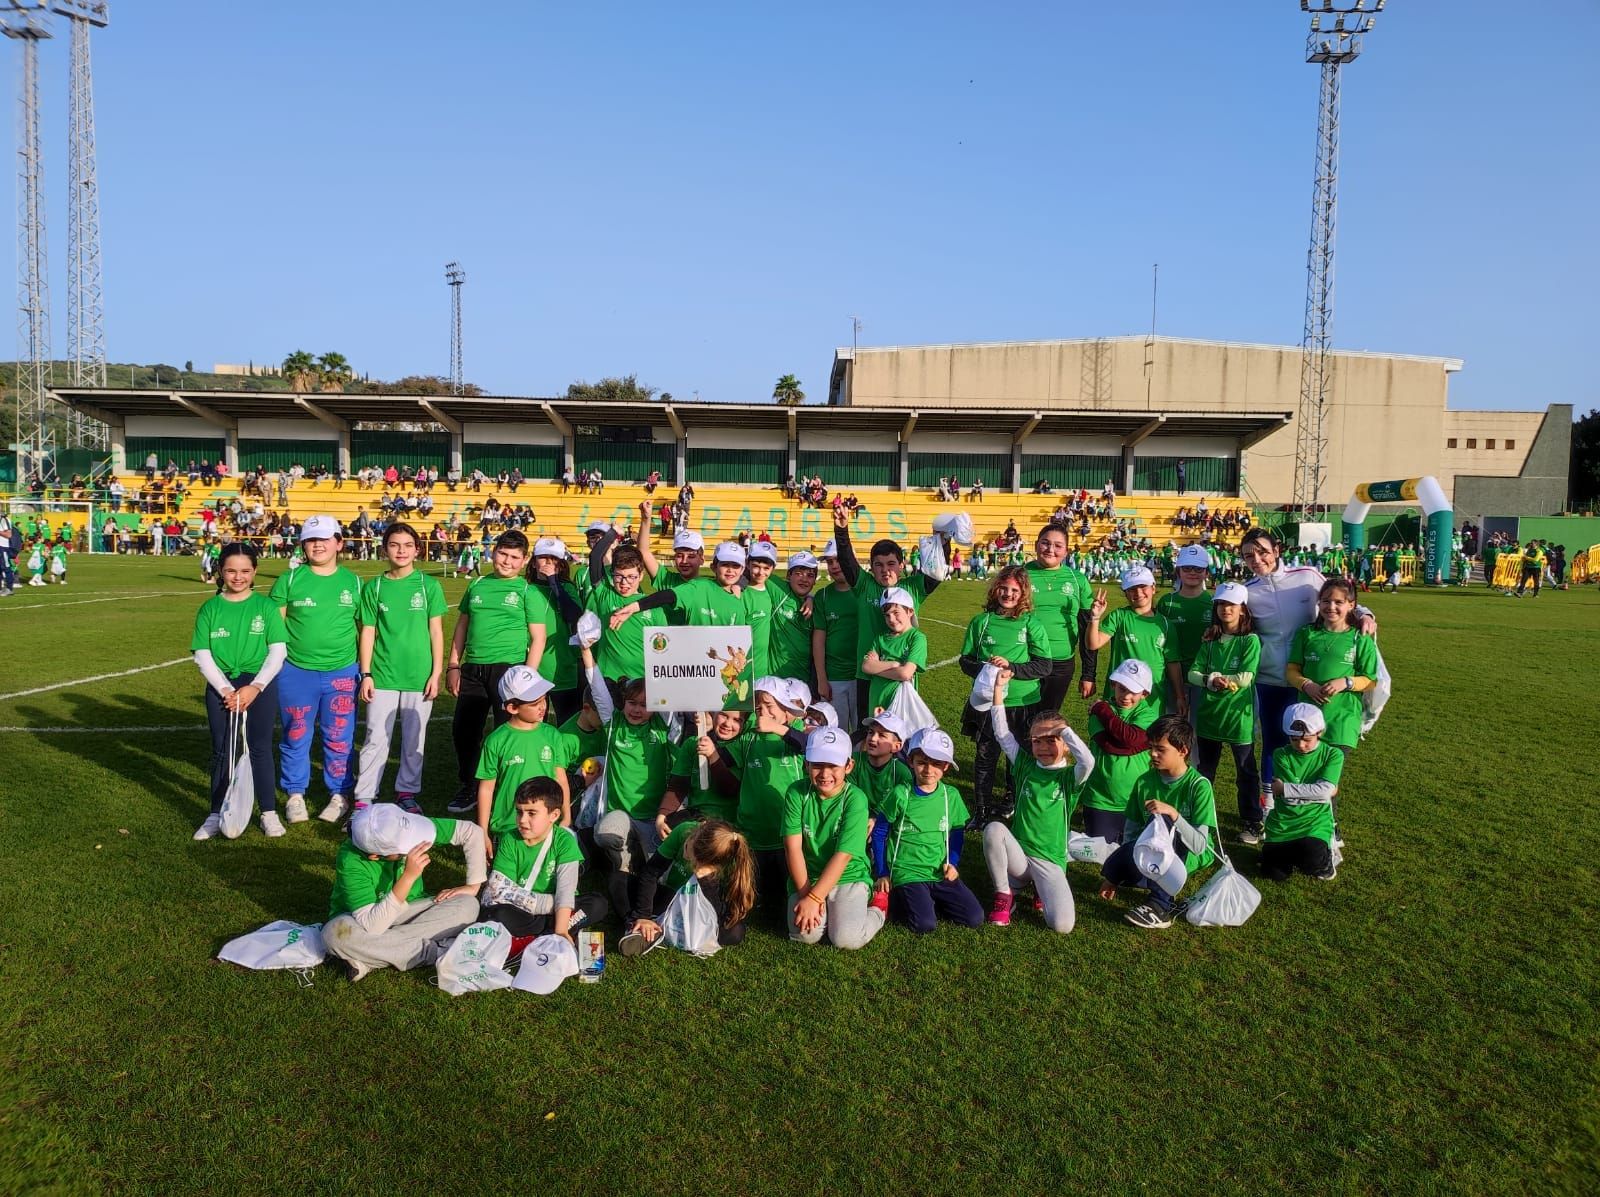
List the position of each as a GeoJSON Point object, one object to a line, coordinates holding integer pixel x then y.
{"type": "Point", "coordinates": [117, 598]}
{"type": "Point", "coordinates": [61, 731]}
{"type": "Point", "coordinates": [945, 622]}
{"type": "Point", "coordinates": [99, 677]}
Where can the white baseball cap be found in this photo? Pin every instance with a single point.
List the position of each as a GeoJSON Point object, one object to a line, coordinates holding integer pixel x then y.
{"type": "Point", "coordinates": [1133, 674]}
{"type": "Point", "coordinates": [763, 550]}
{"type": "Point", "coordinates": [1195, 555]}
{"type": "Point", "coordinates": [384, 829]}
{"type": "Point", "coordinates": [1161, 864]}
{"type": "Point", "coordinates": [831, 549]}
{"type": "Point", "coordinates": [728, 553]}
{"type": "Point", "coordinates": [688, 538]}
{"type": "Point", "coordinates": [546, 962]}
{"type": "Point", "coordinates": [550, 546]}
{"type": "Point", "coordinates": [521, 684]}
{"type": "Point", "coordinates": [934, 744]}
{"type": "Point", "coordinates": [823, 709]}
{"type": "Point", "coordinates": [1308, 716]}
{"type": "Point", "coordinates": [803, 560]}
{"type": "Point", "coordinates": [586, 631]}
{"type": "Point", "coordinates": [1232, 592]}
{"type": "Point", "coordinates": [778, 687]}
{"type": "Point", "coordinates": [897, 596]}
{"type": "Point", "coordinates": [889, 723]}
{"type": "Point", "coordinates": [799, 694]}
{"type": "Point", "coordinates": [1137, 576]}
{"type": "Point", "coordinates": [828, 746]}
{"type": "Point", "coordinates": [320, 527]}
{"type": "Point", "coordinates": [597, 526]}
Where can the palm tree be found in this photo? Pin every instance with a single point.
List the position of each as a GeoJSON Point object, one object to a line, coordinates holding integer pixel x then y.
{"type": "Point", "coordinates": [300, 368]}
{"type": "Point", "coordinates": [787, 392]}
{"type": "Point", "coordinates": [335, 371]}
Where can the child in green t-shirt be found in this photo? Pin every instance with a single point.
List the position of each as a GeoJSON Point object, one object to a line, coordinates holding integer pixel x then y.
{"type": "Point", "coordinates": [533, 887]}
{"type": "Point", "coordinates": [768, 759]}
{"type": "Point", "coordinates": [879, 771]}
{"type": "Point", "coordinates": [894, 657]}
{"type": "Point", "coordinates": [1138, 631]}
{"type": "Point", "coordinates": [1117, 727]}
{"type": "Point", "coordinates": [523, 746]}
{"type": "Point", "coordinates": [924, 821]}
{"type": "Point", "coordinates": [718, 858]}
{"type": "Point", "coordinates": [686, 797]}
{"type": "Point", "coordinates": [1305, 780]}
{"type": "Point", "coordinates": [825, 848]}
{"type": "Point", "coordinates": [1172, 789]}
{"type": "Point", "coordinates": [1224, 673]}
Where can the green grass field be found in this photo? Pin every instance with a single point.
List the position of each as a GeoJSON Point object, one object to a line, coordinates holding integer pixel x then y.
{"type": "Point", "coordinates": [1425, 1023]}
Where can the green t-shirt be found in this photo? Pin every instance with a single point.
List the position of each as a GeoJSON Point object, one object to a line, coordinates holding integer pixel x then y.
{"type": "Point", "coordinates": [514, 860]}
{"type": "Point", "coordinates": [579, 744]}
{"type": "Point", "coordinates": [1325, 656]}
{"type": "Point", "coordinates": [877, 784]}
{"type": "Point", "coordinates": [1187, 620]}
{"type": "Point", "coordinates": [826, 827]}
{"type": "Point", "coordinates": [1190, 794]}
{"type": "Point", "coordinates": [359, 882]}
{"type": "Point", "coordinates": [1145, 637]}
{"type": "Point", "coordinates": [919, 831]}
{"type": "Point", "coordinates": [510, 756]}
{"type": "Point", "coordinates": [673, 849]}
{"type": "Point", "coordinates": [559, 663]}
{"type": "Point", "coordinates": [1046, 799]}
{"type": "Point", "coordinates": [638, 758]}
{"type": "Point", "coordinates": [620, 654]}
{"type": "Point", "coordinates": [909, 647]}
{"type": "Point", "coordinates": [499, 612]}
{"type": "Point", "coordinates": [707, 802]}
{"type": "Point", "coordinates": [1017, 640]}
{"type": "Point", "coordinates": [871, 623]}
{"type": "Point", "coordinates": [789, 650]}
{"type": "Point", "coordinates": [319, 616]}
{"type": "Point", "coordinates": [1108, 787]}
{"type": "Point", "coordinates": [1228, 716]}
{"type": "Point", "coordinates": [838, 614]}
{"type": "Point", "coordinates": [1290, 820]}
{"type": "Point", "coordinates": [769, 767]}
{"type": "Point", "coordinates": [1058, 595]}
{"type": "Point", "coordinates": [704, 604]}
{"type": "Point", "coordinates": [237, 634]}
{"type": "Point", "coordinates": [668, 578]}
{"type": "Point", "coordinates": [400, 610]}
{"type": "Point", "coordinates": [758, 614]}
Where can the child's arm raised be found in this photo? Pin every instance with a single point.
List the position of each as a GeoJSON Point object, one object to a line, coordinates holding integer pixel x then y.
{"type": "Point", "coordinates": [1082, 755]}
{"type": "Point", "coordinates": [997, 719]}
{"type": "Point", "coordinates": [1093, 637]}
{"type": "Point", "coordinates": [603, 706]}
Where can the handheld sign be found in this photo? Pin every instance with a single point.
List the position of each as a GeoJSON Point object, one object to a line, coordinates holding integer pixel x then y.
{"type": "Point", "coordinates": [698, 669]}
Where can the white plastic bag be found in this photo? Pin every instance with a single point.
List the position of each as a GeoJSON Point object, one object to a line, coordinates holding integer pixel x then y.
{"type": "Point", "coordinates": [240, 800]}
{"type": "Point", "coordinates": [930, 558]}
{"type": "Point", "coordinates": [475, 961]}
{"type": "Point", "coordinates": [1089, 851]}
{"type": "Point", "coordinates": [907, 706]}
{"type": "Point", "coordinates": [1374, 699]}
{"type": "Point", "coordinates": [689, 922]}
{"type": "Point", "coordinates": [1226, 900]}
{"type": "Point", "coordinates": [58, 566]}
{"type": "Point", "coordinates": [277, 945]}
{"type": "Point", "coordinates": [1157, 857]}
{"type": "Point", "coordinates": [592, 806]}
{"type": "Point", "coordinates": [957, 525]}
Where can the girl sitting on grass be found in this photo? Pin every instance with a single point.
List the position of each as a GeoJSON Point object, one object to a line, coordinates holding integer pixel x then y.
{"type": "Point", "coordinates": [718, 858]}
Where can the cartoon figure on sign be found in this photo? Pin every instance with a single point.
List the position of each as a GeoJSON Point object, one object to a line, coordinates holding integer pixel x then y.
{"type": "Point", "coordinates": [732, 666]}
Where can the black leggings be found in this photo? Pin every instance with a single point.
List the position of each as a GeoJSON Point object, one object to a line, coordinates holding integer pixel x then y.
{"type": "Point", "coordinates": [520, 922]}
{"type": "Point", "coordinates": [1247, 780]}
{"type": "Point", "coordinates": [1310, 855]}
{"type": "Point", "coordinates": [480, 696]}
{"type": "Point", "coordinates": [1057, 684]}
{"type": "Point", "coordinates": [259, 722]}
{"type": "Point", "coordinates": [986, 752]}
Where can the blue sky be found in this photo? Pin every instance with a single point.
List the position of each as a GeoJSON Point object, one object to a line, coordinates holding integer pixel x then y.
{"type": "Point", "coordinates": [702, 192]}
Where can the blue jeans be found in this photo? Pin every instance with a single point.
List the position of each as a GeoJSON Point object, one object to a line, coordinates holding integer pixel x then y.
{"type": "Point", "coordinates": [8, 576]}
{"type": "Point", "coordinates": [326, 699]}
{"type": "Point", "coordinates": [1271, 703]}
{"type": "Point", "coordinates": [259, 722]}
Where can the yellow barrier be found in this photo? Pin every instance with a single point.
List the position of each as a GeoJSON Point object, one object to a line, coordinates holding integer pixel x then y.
{"type": "Point", "coordinates": [1586, 565]}
{"type": "Point", "coordinates": [1507, 570]}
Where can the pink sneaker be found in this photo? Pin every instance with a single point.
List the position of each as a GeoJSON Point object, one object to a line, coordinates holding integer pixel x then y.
{"type": "Point", "coordinates": [880, 902]}
{"type": "Point", "coordinates": [1000, 912]}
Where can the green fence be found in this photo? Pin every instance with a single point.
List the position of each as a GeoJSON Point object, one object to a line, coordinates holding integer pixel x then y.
{"type": "Point", "coordinates": [844, 468]}
{"type": "Point", "coordinates": [1070, 471]}
{"type": "Point", "coordinates": [272, 454]}
{"type": "Point", "coordinates": [925, 469]}
{"type": "Point", "coordinates": [749, 467]}
{"type": "Point", "coordinates": [179, 449]}
{"type": "Point", "coordinates": [625, 461]}
{"type": "Point", "coordinates": [391, 448]}
{"type": "Point", "coordinates": [1205, 475]}
{"type": "Point", "coordinates": [539, 463]}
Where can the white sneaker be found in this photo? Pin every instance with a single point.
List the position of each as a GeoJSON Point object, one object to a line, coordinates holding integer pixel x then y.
{"type": "Point", "coordinates": [271, 825]}
{"type": "Point", "coordinates": [209, 828]}
{"type": "Point", "coordinates": [335, 809]}
{"type": "Point", "coordinates": [294, 810]}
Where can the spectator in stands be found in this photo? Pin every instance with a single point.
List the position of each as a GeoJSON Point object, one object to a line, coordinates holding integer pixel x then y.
{"type": "Point", "coordinates": [651, 481]}
{"type": "Point", "coordinates": [583, 481]}
{"type": "Point", "coordinates": [194, 471]}
{"type": "Point", "coordinates": [567, 480]}
{"type": "Point", "coordinates": [1183, 476]}
{"type": "Point", "coordinates": [108, 536]}
{"type": "Point", "coordinates": [976, 493]}
{"type": "Point", "coordinates": [117, 492]}
{"type": "Point", "coordinates": [283, 490]}
{"type": "Point", "coordinates": [597, 482]}
{"type": "Point", "coordinates": [1108, 492]}
{"type": "Point", "coordinates": [478, 479]}
{"type": "Point", "coordinates": [452, 479]}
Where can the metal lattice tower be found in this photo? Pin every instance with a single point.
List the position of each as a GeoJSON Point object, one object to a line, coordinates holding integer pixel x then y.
{"type": "Point", "coordinates": [86, 335]}
{"type": "Point", "coordinates": [1337, 27]}
{"type": "Point", "coordinates": [455, 276]}
{"type": "Point", "coordinates": [25, 25]}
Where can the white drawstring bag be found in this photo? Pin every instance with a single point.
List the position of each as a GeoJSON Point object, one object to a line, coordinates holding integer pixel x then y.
{"type": "Point", "coordinates": [277, 945]}
{"type": "Point", "coordinates": [1082, 848]}
{"type": "Point", "coordinates": [475, 961]}
{"type": "Point", "coordinates": [930, 558]}
{"type": "Point", "coordinates": [908, 707]}
{"type": "Point", "coordinates": [592, 806]}
{"type": "Point", "coordinates": [957, 525]}
{"type": "Point", "coordinates": [1226, 900]}
{"type": "Point", "coordinates": [240, 800]}
{"type": "Point", "coordinates": [689, 922]}
{"type": "Point", "coordinates": [58, 566]}
{"type": "Point", "coordinates": [1157, 857]}
{"type": "Point", "coordinates": [1376, 697]}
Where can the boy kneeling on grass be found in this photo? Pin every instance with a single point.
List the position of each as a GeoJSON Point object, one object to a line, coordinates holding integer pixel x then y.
{"type": "Point", "coordinates": [1306, 774]}
{"type": "Point", "coordinates": [379, 915]}
{"type": "Point", "coordinates": [1174, 790]}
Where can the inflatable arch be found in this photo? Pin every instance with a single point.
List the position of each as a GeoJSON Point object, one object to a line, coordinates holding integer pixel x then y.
{"type": "Point", "coordinates": [1438, 523]}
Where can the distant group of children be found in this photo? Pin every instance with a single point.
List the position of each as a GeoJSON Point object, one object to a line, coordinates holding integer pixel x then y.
{"type": "Point", "coordinates": [828, 805]}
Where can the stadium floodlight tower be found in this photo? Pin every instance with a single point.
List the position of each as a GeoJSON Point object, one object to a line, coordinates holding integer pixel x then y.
{"type": "Point", "coordinates": [455, 277]}
{"type": "Point", "coordinates": [24, 23]}
{"type": "Point", "coordinates": [86, 334]}
{"type": "Point", "coordinates": [1337, 27]}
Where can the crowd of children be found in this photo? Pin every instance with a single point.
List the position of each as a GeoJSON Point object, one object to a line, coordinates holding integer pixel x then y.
{"type": "Point", "coordinates": [821, 809]}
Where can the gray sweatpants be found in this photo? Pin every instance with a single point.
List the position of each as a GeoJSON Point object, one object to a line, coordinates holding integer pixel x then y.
{"type": "Point", "coordinates": [1009, 866]}
{"type": "Point", "coordinates": [846, 918]}
{"type": "Point", "coordinates": [413, 711]}
{"type": "Point", "coordinates": [844, 702]}
{"type": "Point", "coordinates": [628, 842]}
{"type": "Point", "coordinates": [418, 937]}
